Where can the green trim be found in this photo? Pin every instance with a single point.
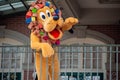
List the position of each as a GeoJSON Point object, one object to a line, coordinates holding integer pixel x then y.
{"type": "Point", "coordinates": [81, 75]}
{"type": "Point", "coordinates": [12, 75]}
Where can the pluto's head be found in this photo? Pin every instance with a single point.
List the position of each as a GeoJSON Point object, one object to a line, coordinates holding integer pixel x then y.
{"type": "Point", "coordinates": [43, 16]}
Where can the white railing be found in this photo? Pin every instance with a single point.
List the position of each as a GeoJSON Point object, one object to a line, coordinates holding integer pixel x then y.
{"type": "Point", "coordinates": [77, 62]}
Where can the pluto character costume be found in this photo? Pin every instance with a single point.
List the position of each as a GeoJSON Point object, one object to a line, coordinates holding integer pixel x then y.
{"type": "Point", "coordinates": [47, 28]}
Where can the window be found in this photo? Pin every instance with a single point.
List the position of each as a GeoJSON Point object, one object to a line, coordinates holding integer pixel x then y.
{"type": "Point", "coordinates": [82, 61]}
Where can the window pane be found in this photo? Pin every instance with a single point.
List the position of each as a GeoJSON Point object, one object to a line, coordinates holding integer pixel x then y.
{"type": "Point", "coordinates": [5, 63]}
{"type": "Point", "coordinates": [97, 63]}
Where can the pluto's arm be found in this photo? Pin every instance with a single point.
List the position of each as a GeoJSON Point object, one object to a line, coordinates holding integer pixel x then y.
{"type": "Point", "coordinates": [35, 42]}
{"type": "Point", "coordinates": [46, 48]}
{"type": "Point", "coordinates": [69, 22]}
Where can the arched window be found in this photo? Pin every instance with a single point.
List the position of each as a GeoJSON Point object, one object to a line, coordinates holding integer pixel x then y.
{"type": "Point", "coordinates": [81, 55]}
{"type": "Point", "coordinates": [12, 54]}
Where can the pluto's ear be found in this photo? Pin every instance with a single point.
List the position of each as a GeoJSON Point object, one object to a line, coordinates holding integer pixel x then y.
{"type": "Point", "coordinates": [71, 31]}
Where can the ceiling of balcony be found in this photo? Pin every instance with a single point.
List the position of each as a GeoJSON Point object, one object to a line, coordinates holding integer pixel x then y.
{"type": "Point", "coordinates": [88, 12]}
{"type": "Point", "coordinates": [13, 6]}
{"type": "Point", "coordinates": [92, 12]}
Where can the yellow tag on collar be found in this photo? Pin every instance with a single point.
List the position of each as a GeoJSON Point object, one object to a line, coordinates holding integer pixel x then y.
{"type": "Point", "coordinates": [33, 18]}
{"type": "Point", "coordinates": [52, 10]}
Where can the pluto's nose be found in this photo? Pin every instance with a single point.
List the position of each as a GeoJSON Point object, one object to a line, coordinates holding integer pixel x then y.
{"type": "Point", "coordinates": [55, 18]}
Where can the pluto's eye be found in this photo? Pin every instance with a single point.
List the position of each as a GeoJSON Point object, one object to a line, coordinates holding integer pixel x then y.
{"type": "Point", "coordinates": [42, 15]}
{"type": "Point", "coordinates": [48, 13]}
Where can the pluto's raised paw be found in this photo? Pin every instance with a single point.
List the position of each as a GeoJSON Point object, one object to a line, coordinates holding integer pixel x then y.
{"type": "Point", "coordinates": [71, 21]}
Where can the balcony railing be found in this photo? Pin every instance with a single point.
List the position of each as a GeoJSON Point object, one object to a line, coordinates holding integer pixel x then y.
{"type": "Point", "coordinates": [77, 62]}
